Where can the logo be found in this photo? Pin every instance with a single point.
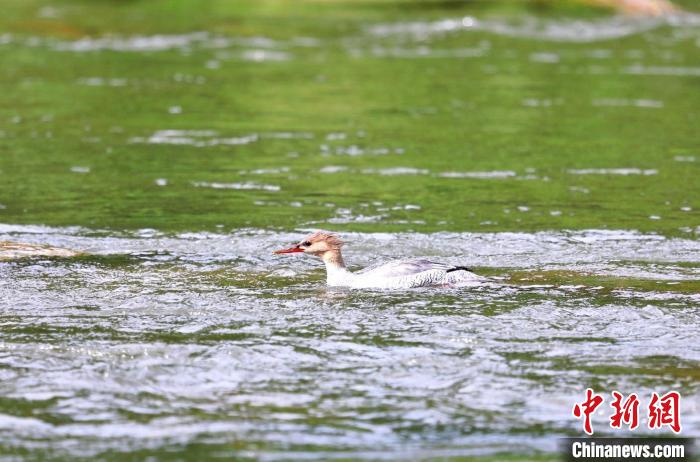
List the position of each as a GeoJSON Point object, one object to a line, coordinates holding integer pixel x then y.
{"type": "Point", "coordinates": [661, 411]}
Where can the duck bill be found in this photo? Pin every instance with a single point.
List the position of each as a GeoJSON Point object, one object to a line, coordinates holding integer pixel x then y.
{"type": "Point", "coordinates": [289, 250]}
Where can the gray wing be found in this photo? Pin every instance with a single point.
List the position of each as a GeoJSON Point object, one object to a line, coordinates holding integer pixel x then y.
{"type": "Point", "coordinates": [402, 268]}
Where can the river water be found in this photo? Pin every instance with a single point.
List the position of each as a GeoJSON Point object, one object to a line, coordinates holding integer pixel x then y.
{"type": "Point", "coordinates": [554, 150]}
{"type": "Point", "coordinates": [209, 344]}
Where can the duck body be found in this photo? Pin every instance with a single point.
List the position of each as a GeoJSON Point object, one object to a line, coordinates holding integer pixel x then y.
{"type": "Point", "coordinates": [402, 274]}
{"type": "Point", "coordinates": [399, 274]}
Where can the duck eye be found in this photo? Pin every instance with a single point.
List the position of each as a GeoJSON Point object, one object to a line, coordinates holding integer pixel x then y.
{"type": "Point", "coordinates": [306, 244]}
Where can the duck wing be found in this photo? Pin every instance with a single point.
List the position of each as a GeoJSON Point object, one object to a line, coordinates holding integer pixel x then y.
{"type": "Point", "coordinates": [400, 268]}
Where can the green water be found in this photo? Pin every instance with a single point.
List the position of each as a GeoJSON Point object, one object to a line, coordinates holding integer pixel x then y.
{"type": "Point", "coordinates": [507, 108]}
{"type": "Point", "coordinates": [176, 143]}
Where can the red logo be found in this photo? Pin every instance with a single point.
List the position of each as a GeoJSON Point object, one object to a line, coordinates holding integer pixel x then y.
{"type": "Point", "coordinates": [626, 412]}
{"type": "Point", "coordinates": [663, 410]}
{"type": "Point", "coordinates": [587, 408]}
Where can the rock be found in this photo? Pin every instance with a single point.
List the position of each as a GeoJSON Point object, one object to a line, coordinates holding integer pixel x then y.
{"type": "Point", "coordinates": [18, 250]}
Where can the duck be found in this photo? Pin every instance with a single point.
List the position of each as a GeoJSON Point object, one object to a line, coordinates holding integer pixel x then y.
{"type": "Point", "coordinates": [397, 274]}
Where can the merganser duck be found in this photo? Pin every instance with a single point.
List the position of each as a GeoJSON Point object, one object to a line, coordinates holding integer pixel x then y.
{"type": "Point", "coordinates": [400, 274]}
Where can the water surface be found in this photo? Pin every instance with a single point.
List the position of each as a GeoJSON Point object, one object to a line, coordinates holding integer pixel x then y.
{"type": "Point", "coordinates": [487, 120]}
{"type": "Point", "coordinates": [207, 343]}
{"type": "Point", "coordinates": [552, 148]}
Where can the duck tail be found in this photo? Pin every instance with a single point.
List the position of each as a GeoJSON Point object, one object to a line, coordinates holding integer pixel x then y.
{"type": "Point", "coordinates": [459, 268]}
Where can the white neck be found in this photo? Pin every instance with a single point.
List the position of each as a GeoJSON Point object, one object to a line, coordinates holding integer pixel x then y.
{"type": "Point", "coordinates": [336, 273]}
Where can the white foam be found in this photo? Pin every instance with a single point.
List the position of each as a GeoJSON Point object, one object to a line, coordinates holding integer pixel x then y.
{"type": "Point", "coordinates": [621, 102]}
{"type": "Point", "coordinates": [287, 135]}
{"type": "Point", "coordinates": [579, 189]}
{"type": "Point", "coordinates": [102, 82]}
{"type": "Point", "coordinates": [562, 30]}
{"type": "Point", "coordinates": [244, 186]}
{"type": "Point", "coordinates": [495, 174]}
{"type": "Point", "coordinates": [256, 49]}
{"type": "Point", "coordinates": [684, 158]}
{"type": "Point", "coordinates": [534, 102]}
{"type": "Point", "coordinates": [422, 52]}
{"type": "Point", "coordinates": [265, 55]}
{"type": "Point", "coordinates": [504, 249]}
{"type": "Point", "coordinates": [355, 150]}
{"type": "Point", "coordinates": [639, 69]}
{"type": "Point", "coordinates": [265, 171]}
{"type": "Point", "coordinates": [613, 171]}
{"type": "Point", "coordinates": [393, 171]}
{"type": "Point", "coordinates": [545, 57]}
{"type": "Point", "coordinates": [197, 138]}
{"type": "Point", "coordinates": [333, 169]}
{"type": "Point", "coordinates": [131, 44]}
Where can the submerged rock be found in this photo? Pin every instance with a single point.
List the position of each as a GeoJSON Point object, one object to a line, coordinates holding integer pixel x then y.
{"type": "Point", "coordinates": [17, 250]}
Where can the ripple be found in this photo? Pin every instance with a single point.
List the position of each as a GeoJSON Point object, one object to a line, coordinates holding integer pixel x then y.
{"type": "Point", "coordinates": [393, 171]}
{"type": "Point", "coordinates": [355, 151]}
{"type": "Point", "coordinates": [245, 186]}
{"type": "Point", "coordinates": [421, 52]}
{"type": "Point", "coordinates": [563, 30]}
{"type": "Point", "coordinates": [496, 174]}
{"type": "Point", "coordinates": [662, 70]}
{"type": "Point", "coordinates": [197, 138]}
{"type": "Point", "coordinates": [265, 55]}
{"type": "Point", "coordinates": [613, 171]}
{"type": "Point", "coordinates": [621, 102]}
{"type": "Point", "coordinates": [102, 82]}
{"type": "Point", "coordinates": [132, 44]}
{"type": "Point", "coordinates": [264, 49]}
{"type": "Point", "coordinates": [208, 138]}
{"type": "Point", "coordinates": [158, 339]}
